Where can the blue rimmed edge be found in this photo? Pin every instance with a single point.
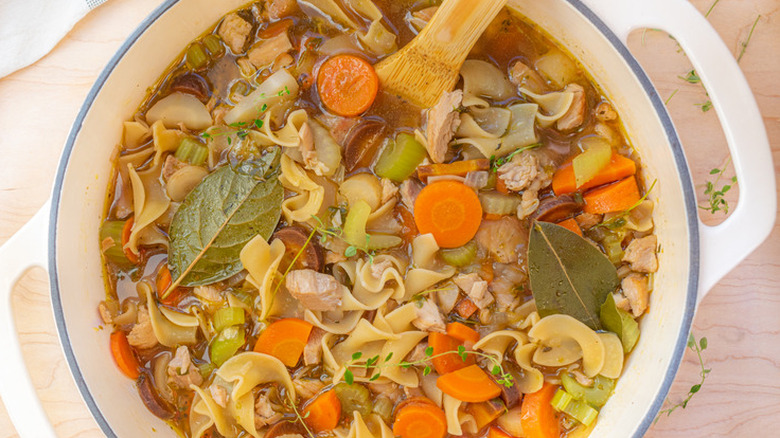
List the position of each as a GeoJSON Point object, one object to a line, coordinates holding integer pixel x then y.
{"type": "Point", "coordinates": [56, 299]}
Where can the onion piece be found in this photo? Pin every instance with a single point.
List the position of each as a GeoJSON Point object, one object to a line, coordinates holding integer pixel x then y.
{"type": "Point", "coordinates": [180, 108]}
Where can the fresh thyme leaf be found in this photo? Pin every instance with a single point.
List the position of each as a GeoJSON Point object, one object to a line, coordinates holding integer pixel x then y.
{"type": "Point", "coordinates": [691, 77]}
{"type": "Point", "coordinates": [716, 197]}
{"type": "Point", "coordinates": [357, 355]}
{"type": "Point", "coordinates": [429, 351]}
{"type": "Point", "coordinates": [374, 377]}
{"type": "Point", "coordinates": [349, 377]}
{"type": "Point", "coordinates": [426, 370]}
{"type": "Point", "coordinates": [706, 106]}
{"type": "Point", "coordinates": [351, 251]}
{"type": "Point", "coordinates": [389, 356]}
{"type": "Point", "coordinates": [619, 220]}
{"type": "Point", "coordinates": [258, 123]}
{"type": "Point", "coordinates": [697, 347]}
{"type": "Point", "coordinates": [496, 370]}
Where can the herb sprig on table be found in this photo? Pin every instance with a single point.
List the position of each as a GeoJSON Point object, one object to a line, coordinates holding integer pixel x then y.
{"type": "Point", "coordinates": [698, 347]}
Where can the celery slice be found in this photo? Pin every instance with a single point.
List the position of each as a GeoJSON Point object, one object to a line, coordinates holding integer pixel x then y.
{"type": "Point", "coordinates": [498, 204]}
{"type": "Point", "coordinates": [192, 152]}
{"type": "Point", "coordinates": [226, 344]}
{"type": "Point", "coordinates": [595, 158]}
{"type": "Point", "coordinates": [228, 316]}
{"type": "Point", "coordinates": [460, 256]}
{"type": "Point", "coordinates": [196, 57]}
{"type": "Point", "coordinates": [596, 395]}
{"type": "Point", "coordinates": [355, 230]}
{"type": "Point", "coordinates": [111, 240]}
{"type": "Point", "coordinates": [400, 158]}
{"type": "Point", "coordinates": [214, 45]}
{"type": "Point", "coordinates": [564, 402]}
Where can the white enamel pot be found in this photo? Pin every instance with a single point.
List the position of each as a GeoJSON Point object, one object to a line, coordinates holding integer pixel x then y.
{"type": "Point", "coordinates": [693, 256]}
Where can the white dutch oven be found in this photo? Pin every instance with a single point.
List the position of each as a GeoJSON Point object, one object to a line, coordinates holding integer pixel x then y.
{"type": "Point", "coordinates": [693, 256]}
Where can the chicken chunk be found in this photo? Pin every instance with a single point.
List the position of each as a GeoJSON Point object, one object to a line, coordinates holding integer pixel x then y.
{"type": "Point", "coordinates": [443, 121]}
{"type": "Point", "coordinates": [315, 291]}
{"type": "Point", "coordinates": [502, 238]}
{"type": "Point", "coordinates": [276, 9]}
{"type": "Point", "coordinates": [524, 76]}
{"type": "Point", "coordinates": [505, 286]}
{"type": "Point", "coordinates": [265, 52]}
{"type": "Point", "coordinates": [181, 371]}
{"type": "Point", "coordinates": [171, 166]}
{"type": "Point", "coordinates": [409, 190]}
{"type": "Point", "coordinates": [636, 291]}
{"type": "Point", "coordinates": [475, 288]}
{"type": "Point", "coordinates": [234, 31]}
{"type": "Point", "coordinates": [605, 113]}
{"type": "Point", "coordinates": [621, 302]}
{"type": "Point", "coordinates": [142, 335]}
{"type": "Point", "coordinates": [310, 159]}
{"type": "Point", "coordinates": [219, 394]}
{"type": "Point", "coordinates": [264, 412]}
{"type": "Point", "coordinates": [312, 352]}
{"type": "Point", "coordinates": [338, 126]}
{"type": "Point", "coordinates": [307, 388]}
{"type": "Point", "coordinates": [576, 113]}
{"type": "Point", "coordinates": [429, 318]}
{"type": "Point", "coordinates": [640, 253]}
{"type": "Point", "coordinates": [379, 268]}
{"type": "Point", "coordinates": [519, 172]}
{"type": "Point", "coordinates": [389, 190]}
{"type": "Point", "coordinates": [588, 220]}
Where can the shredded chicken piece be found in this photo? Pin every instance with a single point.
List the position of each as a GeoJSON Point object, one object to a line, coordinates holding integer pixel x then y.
{"type": "Point", "coordinates": [636, 291]}
{"type": "Point", "coordinates": [390, 390]}
{"type": "Point", "coordinates": [507, 279]}
{"type": "Point", "coordinates": [181, 371]}
{"type": "Point", "coordinates": [588, 220]}
{"type": "Point", "coordinates": [379, 268]}
{"type": "Point", "coordinates": [234, 31]}
{"type": "Point", "coordinates": [142, 335]}
{"type": "Point", "coordinates": [208, 293]}
{"type": "Point", "coordinates": [443, 121]}
{"type": "Point", "coordinates": [307, 388]}
{"type": "Point", "coordinates": [576, 113]}
{"type": "Point", "coordinates": [429, 318]}
{"type": "Point", "coordinates": [171, 166]}
{"type": "Point", "coordinates": [621, 302]}
{"type": "Point", "coordinates": [413, 392]}
{"type": "Point", "coordinates": [524, 76]}
{"type": "Point", "coordinates": [418, 353]}
{"type": "Point", "coordinates": [389, 190]}
{"type": "Point", "coordinates": [264, 412]}
{"type": "Point", "coordinates": [476, 288]}
{"type": "Point", "coordinates": [276, 9]}
{"type": "Point", "coordinates": [605, 113]}
{"type": "Point", "coordinates": [265, 52]}
{"type": "Point", "coordinates": [520, 171]}
{"type": "Point", "coordinates": [640, 253]}
{"type": "Point", "coordinates": [105, 314]}
{"type": "Point", "coordinates": [501, 238]}
{"type": "Point", "coordinates": [312, 352]}
{"type": "Point", "coordinates": [310, 159]}
{"type": "Point", "coordinates": [409, 190]}
{"type": "Point", "coordinates": [332, 257]}
{"type": "Point", "coordinates": [581, 378]}
{"type": "Point", "coordinates": [219, 394]}
{"type": "Point", "coordinates": [314, 290]}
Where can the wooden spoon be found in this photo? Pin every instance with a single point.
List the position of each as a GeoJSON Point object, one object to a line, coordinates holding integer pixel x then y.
{"type": "Point", "coordinates": [429, 65]}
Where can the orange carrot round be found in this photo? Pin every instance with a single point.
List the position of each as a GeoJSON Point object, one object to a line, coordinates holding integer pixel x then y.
{"type": "Point", "coordinates": [284, 340]}
{"type": "Point", "coordinates": [347, 85]}
{"type": "Point", "coordinates": [126, 231]}
{"type": "Point", "coordinates": [462, 332]}
{"type": "Point", "coordinates": [571, 225]}
{"type": "Point", "coordinates": [537, 416]}
{"type": "Point", "coordinates": [323, 412]}
{"type": "Point", "coordinates": [469, 384]}
{"type": "Point", "coordinates": [495, 432]}
{"type": "Point", "coordinates": [618, 196]}
{"type": "Point", "coordinates": [447, 363]}
{"type": "Point", "coordinates": [450, 211]}
{"type": "Point", "coordinates": [123, 355]}
{"type": "Point", "coordinates": [420, 420]}
{"type": "Point", "coordinates": [619, 167]}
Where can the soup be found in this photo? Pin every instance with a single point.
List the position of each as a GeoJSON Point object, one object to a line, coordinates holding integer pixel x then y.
{"type": "Point", "coordinates": [292, 252]}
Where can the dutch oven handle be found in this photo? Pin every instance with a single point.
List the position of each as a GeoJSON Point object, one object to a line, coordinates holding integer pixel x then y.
{"type": "Point", "coordinates": [723, 246]}
{"type": "Point", "coordinates": [25, 249]}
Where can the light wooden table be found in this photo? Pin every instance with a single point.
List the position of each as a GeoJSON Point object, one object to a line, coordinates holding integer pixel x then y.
{"type": "Point", "coordinates": [740, 317]}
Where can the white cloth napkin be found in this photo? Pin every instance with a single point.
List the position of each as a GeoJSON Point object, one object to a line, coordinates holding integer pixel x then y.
{"type": "Point", "coordinates": [29, 29]}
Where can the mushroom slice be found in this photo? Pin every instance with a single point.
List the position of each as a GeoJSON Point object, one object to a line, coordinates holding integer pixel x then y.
{"type": "Point", "coordinates": [294, 239]}
{"type": "Point", "coordinates": [181, 183]}
{"type": "Point", "coordinates": [152, 399]}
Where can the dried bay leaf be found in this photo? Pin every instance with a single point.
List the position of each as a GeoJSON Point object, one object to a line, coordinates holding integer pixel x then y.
{"type": "Point", "coordinates": [226, 210]}
{"type": "Point", "coordinates": [567, 274]}
{"type": "Point", "coordinates": [619, 322]}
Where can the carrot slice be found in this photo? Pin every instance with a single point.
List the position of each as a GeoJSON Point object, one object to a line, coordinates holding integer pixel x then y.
{"type": "Point", "coordinates": [486, 412]}
{"type": "Point", "coordinates": [123, 355]}
{"type": "Point", "coordinates": [469, 384]}
{"type": "Point", "coordinates": [619, 167]}
{"type": "Point", "coordinates": [447, 363]}
{"type": "Point", "coordinates": [127, 230]}
{"type": "Point", "coordinates": [571, 225]}
{"type": "Point", "coordinates": [458, 168]}
{"type": "Point", "coordinates": [495, 432]}
{"type": "Point", "coordinates": [323, 412]}
{"type": "Point", "coordinates": [466, 308]}
{"type": "Point", "coordinates": [501, 186]}
{"type": "Point", "coordinates": [618, 196]}
{"type": "Point", "coordinates": [420, 420]}
{"type": "Point", "coordinates": [347, 85]}
{"type": "Point", "coordinates": [450, 211]}
{"type": "Point", "coordinates": [462, 332]}
{"type": "Point", "coordinates": [537, 416]}
{"type": "Point", "coordinates": [284, 340]}
{"type": "Point", "coordinates": [164, 281]}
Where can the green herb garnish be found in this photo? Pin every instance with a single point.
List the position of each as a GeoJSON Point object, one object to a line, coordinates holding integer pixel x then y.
{"type": "Point", "coordinates": [717, 201]}
{"type": "Point", "coordinates": [698, 347]}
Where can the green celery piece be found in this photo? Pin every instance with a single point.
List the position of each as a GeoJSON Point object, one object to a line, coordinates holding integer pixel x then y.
{"type": "Point", "coordinates": [460, 256]}
{"type": "Point", "coordinates": [400, 158]}
{"type": "Point", "coordinates": [596, 395]}
{"type": "Point", "coordinates": [228, 316]}
{"type": "Point", "coordinates": [564, 402]}
{"type": "Point", "coordinates": [226, 344]}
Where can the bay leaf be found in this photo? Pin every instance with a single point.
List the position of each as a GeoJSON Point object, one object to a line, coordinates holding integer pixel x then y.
{"type": "Point", "coordinates": [568, 274]}
{"type": "Point", "coordinates": [619, 322]}
{"type": "Point", "coordinates": [228, 208]}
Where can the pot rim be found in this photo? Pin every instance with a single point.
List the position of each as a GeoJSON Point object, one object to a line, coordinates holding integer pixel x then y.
{"type": "Point", "coordinates": [657, 103]}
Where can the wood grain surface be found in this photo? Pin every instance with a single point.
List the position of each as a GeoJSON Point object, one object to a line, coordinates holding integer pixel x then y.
{"type": "Point", "coordinates": [739, 317]}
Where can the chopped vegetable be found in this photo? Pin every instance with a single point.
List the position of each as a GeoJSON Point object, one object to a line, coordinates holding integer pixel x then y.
{"type": "Point", "coordinates": [111, 234]}
{"type": "Point", "coordinates": [192, 152]}
{"type": "Point", "coordinates": [214, 45]}
{"type": "Point", "coordinates": [596, 395]}
{"type": "Point", "coordinates": [347, 85]}
{"type": "Point", "coordinates": [163, 282]}
{"type": "Point", "coordinates": [564, 402]}
{"type": "Point", "coordinates": [226, 344]}
{"type": "Point", "coordinates": [589, 163]}
{"type": "Point", "coordinates": [450, 211]}
{"type": "Point", "coordinates": [620, 322]}
{"type": "Point", "coordinates": [323, 412]}
{"type": "Point", "coordinates": [420, 420]}
{"type": "Point", "coordinates": [619, 167]}
{"type": "Point", "coordinates": [285, 340]}
{"type": "Point", "coordinates": [384, 408]}
{"type": "Point", "coordinates": [571, 225]}
{"type": "Point", "coordinates": [466, 308]}
{"type": "Point", "coordinates": [196, 57]}
{"type": "Point", "coordinates": [460, 256]}
{"type": "Point", "coordinates": [127, 230]}
{"type": "Point", "coordinates": [613, 248]}
{"type": "Point", "coordinates": [614, 197]}
{"type": "Point", "coordinates": [495, 432]}
{"type": "Point", "coordinates": [469, 384]}
{"type": "Point", "coordinates": [228, 316]}
{"type": "Point", "coordinates": [484, 413]}
{"type": "Point", "coordinates": [462, 332]}
{"type": "Point", "coordinates": [400, 158]}
{"type": "Point", "coordinates": [498, 204]}
{"type": "Point", "coordinates": [354, 397]}
{"type": "Point", "coordinates": [441, 343]}
{"type": "Point", "coordinates": [537, 414]}
{"type": "Point", "coordinates": [123, 355]}
{"type": "Point", "coordinates": [458, 168]}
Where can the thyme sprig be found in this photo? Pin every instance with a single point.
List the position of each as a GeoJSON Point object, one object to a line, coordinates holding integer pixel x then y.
{"type": "Point", "coordinates": [300, 418]}
{"type": "Point", "coordinates": [717, 197]}
{"type": "Point", "coordinates": [351, 250]}
{"type": "Point", "coordinates": [372, 364]}
{"type": "Point", "coordinates": [495, 163]}
{"type": "Point", "coordinates": [697, 347]}
{"type": "Point", "coordinates": [745, 43]}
